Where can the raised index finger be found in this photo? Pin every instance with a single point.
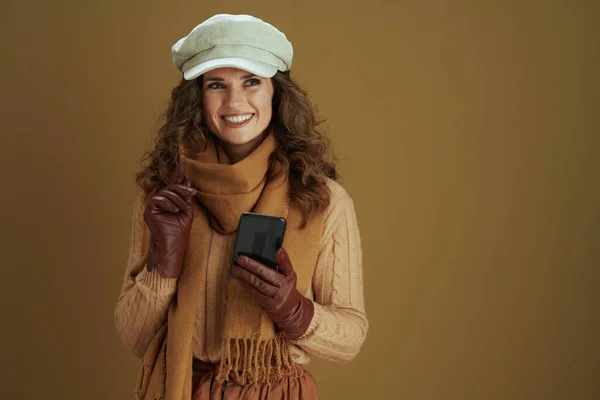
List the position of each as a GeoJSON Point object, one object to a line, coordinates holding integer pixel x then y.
{"type": "Point", "coordinates": [182, 190]}
{"type": "Point", "coordinates": [179, 172]}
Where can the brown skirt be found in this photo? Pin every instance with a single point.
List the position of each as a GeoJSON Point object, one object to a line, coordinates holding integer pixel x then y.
{"type": "Point", "coordinates": [206, 388]}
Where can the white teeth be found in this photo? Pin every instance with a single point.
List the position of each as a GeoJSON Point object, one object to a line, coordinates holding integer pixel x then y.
{"type": "Point", "coordinates": [238, 119]}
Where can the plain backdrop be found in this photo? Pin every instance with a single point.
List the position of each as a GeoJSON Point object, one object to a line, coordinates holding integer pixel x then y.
{"type": "Point", "coordinates": [468, 135]}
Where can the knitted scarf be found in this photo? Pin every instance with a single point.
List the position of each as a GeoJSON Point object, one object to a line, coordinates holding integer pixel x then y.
{"type": "Point", "coordinates": [252, 351]}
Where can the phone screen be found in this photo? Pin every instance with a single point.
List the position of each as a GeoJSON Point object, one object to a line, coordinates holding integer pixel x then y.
{"type": "Point", "coordinates": [259, 236]}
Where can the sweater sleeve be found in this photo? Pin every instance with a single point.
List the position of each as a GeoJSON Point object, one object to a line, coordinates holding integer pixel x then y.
{"type": "Point", "coordinates": [339, 325]}
{"type": "Point", "coordinates": [145, 297]}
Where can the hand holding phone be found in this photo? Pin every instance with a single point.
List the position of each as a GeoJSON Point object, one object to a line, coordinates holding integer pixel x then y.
{"type": "Point", "coordinates": [259, 236]}
{"type": "Point", "coordinates": [276, 293]}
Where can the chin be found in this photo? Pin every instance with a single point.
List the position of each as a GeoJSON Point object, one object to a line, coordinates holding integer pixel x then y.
{"type": "Point", "coordinates": [239, 138]}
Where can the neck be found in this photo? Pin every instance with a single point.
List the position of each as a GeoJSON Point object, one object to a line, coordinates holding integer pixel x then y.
{"type": "Point", "coordinates": [238, 152]}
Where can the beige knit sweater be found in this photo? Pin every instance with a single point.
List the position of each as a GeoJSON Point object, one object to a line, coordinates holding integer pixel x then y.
{"type": "Point", "coordinates": [339, 325]}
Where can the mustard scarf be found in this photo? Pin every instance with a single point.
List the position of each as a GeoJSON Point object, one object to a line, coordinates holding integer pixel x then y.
{"type": "Point", "coordinates": [252, 352]}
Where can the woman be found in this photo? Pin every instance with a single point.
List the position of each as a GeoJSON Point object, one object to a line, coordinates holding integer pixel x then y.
{"type": "Point", "coordinates": [239, 136]}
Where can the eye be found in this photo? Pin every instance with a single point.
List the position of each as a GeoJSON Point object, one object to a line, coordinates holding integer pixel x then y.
{"type": "Point", "coordinates": [215, 85]}
{"type": "Point", "coordinates": [253, 82]}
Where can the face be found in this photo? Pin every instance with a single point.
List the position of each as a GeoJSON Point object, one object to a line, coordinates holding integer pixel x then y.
{"type": "Point", "coordinates": [237, 105]}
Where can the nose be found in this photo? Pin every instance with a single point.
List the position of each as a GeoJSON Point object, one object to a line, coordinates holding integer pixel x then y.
{"type": "Point", "coordinates": [235, 97]}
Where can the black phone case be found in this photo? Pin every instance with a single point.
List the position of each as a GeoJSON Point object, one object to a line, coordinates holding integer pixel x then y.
{"type": "Point", "coordinates": [259, 236]}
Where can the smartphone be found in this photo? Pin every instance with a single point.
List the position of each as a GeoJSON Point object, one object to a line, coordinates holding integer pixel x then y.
{"type": "Point", "coordinates": [259, 236]}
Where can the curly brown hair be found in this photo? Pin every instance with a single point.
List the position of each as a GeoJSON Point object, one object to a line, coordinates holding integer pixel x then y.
{"type": "Point", "coordinates": [303, 151]}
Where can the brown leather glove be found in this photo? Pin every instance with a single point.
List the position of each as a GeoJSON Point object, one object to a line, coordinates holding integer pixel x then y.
{"type": "Point", "coordinates": [169, 216]}
{"type": "Point", "coordinates": [276, 293]}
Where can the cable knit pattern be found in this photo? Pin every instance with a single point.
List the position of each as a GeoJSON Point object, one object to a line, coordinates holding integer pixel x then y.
{"type": "Point", "coordinates": [336, 332]}
{"type": "Point", "coordinates": [337, 282]}
{"type": "Point", "coordinates": [145, 296]}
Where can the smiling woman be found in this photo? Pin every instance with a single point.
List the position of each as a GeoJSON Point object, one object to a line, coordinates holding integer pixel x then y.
{"type": "Point", "coordinates": [237, 108]}
{"type": "Point", "coordinates": [240, 135]}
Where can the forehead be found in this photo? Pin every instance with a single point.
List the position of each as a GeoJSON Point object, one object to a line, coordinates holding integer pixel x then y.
{"type": "Point", "coordinates": [227, 73]}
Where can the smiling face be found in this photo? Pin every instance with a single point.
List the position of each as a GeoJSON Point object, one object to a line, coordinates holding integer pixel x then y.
{"type": "Point", "coordinates": [237, 108]}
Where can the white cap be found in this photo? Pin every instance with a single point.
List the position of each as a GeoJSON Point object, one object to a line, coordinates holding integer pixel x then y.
{"type": "Point", "coordinates": [239, 41]}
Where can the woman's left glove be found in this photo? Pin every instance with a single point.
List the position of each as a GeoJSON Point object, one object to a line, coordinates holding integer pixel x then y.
{"type": "Point", "coordinates": [276, 293]}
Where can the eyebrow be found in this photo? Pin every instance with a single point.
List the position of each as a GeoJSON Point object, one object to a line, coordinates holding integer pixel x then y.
{"type": "Point", "coordinates": [219, 79]}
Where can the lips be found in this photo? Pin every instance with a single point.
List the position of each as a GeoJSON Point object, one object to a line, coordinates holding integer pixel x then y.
{"type": "Point", "coordinates": [237, 118]}
{"type": "Point", "coordinates": [237, 121]}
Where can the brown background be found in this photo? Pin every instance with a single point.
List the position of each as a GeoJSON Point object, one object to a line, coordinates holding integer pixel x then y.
{"type": "Point", "coordinates": [468, 136]}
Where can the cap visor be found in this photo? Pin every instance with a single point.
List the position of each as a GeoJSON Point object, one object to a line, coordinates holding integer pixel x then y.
{"type": "Point", "coordinates": [254, 67]}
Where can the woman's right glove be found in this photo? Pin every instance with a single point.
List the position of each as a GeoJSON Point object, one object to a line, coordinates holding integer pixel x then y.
{"type": "Point", "coordinates": [169, 217]}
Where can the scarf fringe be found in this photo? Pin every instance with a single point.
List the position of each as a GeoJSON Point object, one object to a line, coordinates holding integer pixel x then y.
{"type": "Point", "coordinates": [264, 361]}
{"type": "Point", "coordinates": [142, 382]}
